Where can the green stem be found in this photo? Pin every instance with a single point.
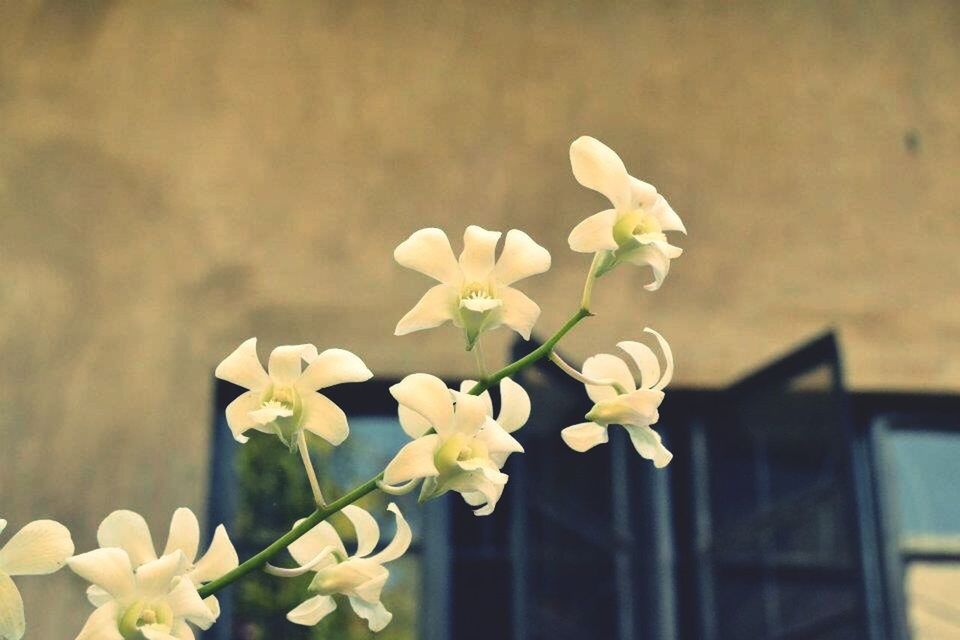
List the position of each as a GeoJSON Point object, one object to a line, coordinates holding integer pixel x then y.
{"type": "Point", "coordinates": [323, 513]}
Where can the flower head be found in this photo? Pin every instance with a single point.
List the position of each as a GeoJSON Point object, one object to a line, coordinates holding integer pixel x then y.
{"type": "Point", "coordinates": [457, 445]}
{"type": "Point", "coordinates": [285, 400]}
{"type": "Point", "coordinates": [474, 293]}
{"type": "Point", "coordinates": [634, 230]}
{"type": "Point", "coordinates": [39, 548]}
{"type": "Point", "coordinates": [137, 593]}
{"type": "Point", "coordinates": [360, 577]}
{"type": "Point", "coordinates": [632, 406]}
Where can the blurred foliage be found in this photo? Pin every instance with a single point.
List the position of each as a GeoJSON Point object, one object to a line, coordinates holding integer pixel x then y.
{"type": "Point", "coordinates": [273, 494]}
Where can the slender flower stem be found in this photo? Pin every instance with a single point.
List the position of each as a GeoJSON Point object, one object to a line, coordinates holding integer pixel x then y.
{"type": "Point", "coordinates": [324, 512]}
{"type": "Point", "coordinates": [311, 472]}
{"type": "Point", "coordinates": [585, 301]}
{"type": "Point", "coordinates": [478, 356]}
{"type": "Point", "coordinates": [579, 377]}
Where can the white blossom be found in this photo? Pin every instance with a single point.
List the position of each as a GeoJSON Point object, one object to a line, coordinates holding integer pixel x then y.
{"type": "Point", "coordinates": [137, 591]}
{"type": "Point", "coordinates": [457, 445]}
{"type": "Point", "coordinates": [474, 293]}
{"type": "Point", "coordinates": [634, 407]}
{"type": "Point", "coordinates": [39, 548]}
{"type": "Point", "coordinates": [285, 400]}
{"type": "Point", "coordinates": [633, 231]}
{"type": "Point", "coordinates": [360, 577]}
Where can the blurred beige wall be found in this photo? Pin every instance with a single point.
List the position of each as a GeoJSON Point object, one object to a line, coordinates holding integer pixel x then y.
{"type": "Point", "coordinates": [176, 177]}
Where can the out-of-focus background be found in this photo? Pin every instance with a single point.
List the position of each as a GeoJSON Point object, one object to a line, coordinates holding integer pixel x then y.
{"type": "Point", "coordinates": [176, 177]}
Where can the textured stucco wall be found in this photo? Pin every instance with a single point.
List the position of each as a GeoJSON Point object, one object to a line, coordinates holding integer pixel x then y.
{"type": "Point", "coordinates": [176, 176]}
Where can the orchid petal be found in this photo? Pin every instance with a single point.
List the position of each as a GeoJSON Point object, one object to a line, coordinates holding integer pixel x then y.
{"type": "Point", "coordinates": [437, 306]}
{"type": "Point", "coordinates": [154, 577]}
{"type": "Point", "coordinates": [376, 615]}
{"type": "Point", "coordinates": [594, 233]}
{"type": "Point", "coordinates": [521, 258]}
{"type": "Point", "coordinates": [185, 602]}
{"type": "Point", "coordinates": [366, 527]}
{"type": "Point", "coordinates": [666, 216]}
{"type": "Point", "coordinates": [428, 251]}
{"type": "Point", "coordinates": [401, 539]}
{"type": "Point", "coordinates": [39, 548]}
{"type": "Point", "coordinates": [311, 611]}
{"type": "Point", "coordinates": [519, 313]}
{"type": "Point", "coordinates": [496, 438]}
{"type": "Point", "coordinates": [584, 436]}
{"type": "Point", "coordinates": [242, 367]}
{"type": "Point", "coordinates": [97, 596]}
{"type": "Point", "coordinates": [654, 257]}
{"type": "Point", "coordinates": [239, 417]}
{"type": "Point", "coordinates": [413, 424]}
{"type": "Point", "coordinates": [637, 407]}
{"type": "Point", "coordinates": [514, 406]}
{"type": "Point", "coordinates": [129, 531]}
{"type": "Point", "coordinates": [648, 444]}
{"type": "Point", "coordinates": [479, 249]}
{"type": "Point", "coordinates": [646, 361]}
{"type": "Point", "coordinates": [642, 194]}
{"type": "Point", "coordinates": [107, 568]}
{"type": "Point", "coordinates": [596, 166]}
{"type": "Point", "coordinates": [219, 559]}
{"type": "Point", "coordinates": [184, 534]}
{"type": "Point", "coordinates": [12, 623]}
{"type": "Point", "coordinates": [102, 624]}
{"type": "Point", "coordinates": [286, 362]}
{"type": "Point", "coordinates": [322, 417]}
{"type": "Point", "coordinates": [428, 396]}
{"type": "Point", "coordinates": [182, 631]}
{"type": "Point", "coordinates": [314, 542]}
{"type": "Point", "coordinates": [333, 366]}
{"type": "Point", "coordinates": [465, 387]}
{"type": "Point", "coordinates": [414, 460]}
{"type": "Point", "coordinates": [471, 413]}
{"type": "Point", "coordinates": [607, 367]}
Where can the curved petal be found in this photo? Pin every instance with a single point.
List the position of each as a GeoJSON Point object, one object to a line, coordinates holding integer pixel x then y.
{"type": "Point", "coordinates": [376, 615]}
{"type": "Point", "coordinates": [366, 527]}
{"type": "Point", "coordinates": [102, 624]}
{"type": "Point", "coordinates": [646, 361]}
{"type": "Point", "coordinates": [428, 251]}
{"type": "Point", "coordinates": [497, 440]}
{"type": "Point", "coordinates": [155, 632]}
{"type": "Point", "coordinates": [322, 417]}
{"type": "Point", "coordinates": [413, 424]}
{"type": "Point", "coordinates": [243, 367]}
{"type": "Point", "coordinates": [238, 414]}
{"type": "Point", "coordinates": [597, 167]}
{"type": "Point", "coordinates": [39, 548]}
{"type": "Point", "coordinates": [654, 257]}
{"type": "Point", "coordinates": [666, 216]}
{"type": "Point", "coordinates": [414, 460]}
{"type": "Point", "coordinates": [3, 525]}
{"type": "Point", "coordinates": [636, 407]}
{"type": "Point", "coordinates": [437, 306]}
{"type": "Point", "coordinates": [642, 194]}
{"type": "Point", "coordinates": [465, 387]}
{"type": "Point", "coordinates": [185, 602]}
{"type": "Point", "coordinates": [519, 313]}
{"type": "Point", "coordinates": [12, 623]}
{"type": "Point", "coordinates": [607, 367]}
{"type": "Point", "coordinates": [400, 542]}
{"type": "Point", "coordinates": [479, 250]}
{"type": "Point", "coordinates": [482, 469]}
{"type": "Point", "coordinates": [595, 233]}
{"type": "Point", "coordinates": [182, 631]}
{"type": "Point", "coordinates": [129, 531]}
{"type": "Point", "coordinates": [184, 534]}
{"type": "Point", "coordinates": [315, 542]}
{"type": "Point", "coordinates": [333, 366]}
{"type": "Point", "coordinates": [478, 491]}
{"type": "Point", "coordinates": [428, 396]}
{"type": "Point", "coordinates": [311, 611]}
{"type": "Point", "coordinates": [521, 258]}
{"type": "Point", "coordinates": [514, 406]}
{"type": "Point", "coordinates": [584, 436]}
{"type": "Point", "coordinates": [286, 362]}
{"type": "Point", "coordinates": [213, 605]}
{"type": "Point", "coordinates": [471, 414]}
{"type": "Point", "coordinates": [661, 380]}
{"type": "Point", "coordinates": [648, 444]}
{"type": "Point", "coordinates": [155, 577]}
{"type": "Point", "coordinates": [321, 560]}
{"type": "Point", "coordinates": [220, 558]}
{"type": "Point", "coordinates": [109, 569]}
{"type": "Point", "coordinates": [97, 596]}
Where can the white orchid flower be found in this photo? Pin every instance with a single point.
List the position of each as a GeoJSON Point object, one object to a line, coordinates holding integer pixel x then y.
{"type": "Point", "coordinates": [285, 400]}
{"type": "Point", "coordinates": [39, 548]}
{"type": "Point", "coordinates": [457, 445]}
{"type": "Point", "coordinates": [155, 601]}
{"type": "Point", "coordinates": [474, 293]}
{"type": "Point", "coordinates": [129, 532]}
{"type": "Point", "coordinates": [633, 231]}
{"type": "Point", "coordinates": [633, 407]}
{"type": "Point", "coordinates": [360, 577]}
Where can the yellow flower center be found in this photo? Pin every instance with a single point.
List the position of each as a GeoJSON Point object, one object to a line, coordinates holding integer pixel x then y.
{"type": "Point", "coordinates": [142, 613]}
{"type": "Point", "coordinates": [636, 223]}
